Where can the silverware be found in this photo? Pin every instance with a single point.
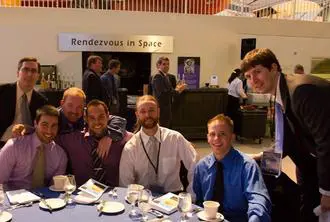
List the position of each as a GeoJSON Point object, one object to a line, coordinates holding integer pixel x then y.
{"type": "Point", "coordinates": [47, 205]}
{"type": "Point", "coordinates": [194, 211]}
{"type": "Point", "coordinates": [16, 206]}
{"type": "Point", "coordinates": [99, 209]}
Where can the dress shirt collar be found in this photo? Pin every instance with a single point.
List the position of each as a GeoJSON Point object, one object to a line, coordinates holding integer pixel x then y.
{"type": "Point", "coordinates": [278, 98]}
{"type": "Point", "coordinates": [19, 93]}
{"type": "Point", "coordinates": [145, 137]}
{"type": "Point", "coordinates": [36, 142]}
{"type": "Point", "coordinates": [225, 161]}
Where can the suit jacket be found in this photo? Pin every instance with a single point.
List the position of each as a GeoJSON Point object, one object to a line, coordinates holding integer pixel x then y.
{"type": "Point", "coordinates": [307, 125]}
{"type": "Point", "coordinates": [163, 91]}
{"type": "Point", "coordinates": [8, 105]}
{"type": "Point", "coordinates": [93, 87]}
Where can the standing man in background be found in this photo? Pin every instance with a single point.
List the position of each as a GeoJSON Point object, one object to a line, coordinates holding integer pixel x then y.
{"type": "Point", "coordinates": [92, 85]}
{"type": "Point", "coordinates": [163, 90]}
{"type": "Point", "coordinates": [299, 69]}
{"type": "Point", "coordinates": [19, 101]}
{"type": "Point", "coordinates": [109, 83]}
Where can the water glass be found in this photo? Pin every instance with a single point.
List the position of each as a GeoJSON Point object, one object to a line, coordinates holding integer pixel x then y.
{"type": "Point", "coordinates": [70, 187]}
{"type": "Point", "coordinates": [184, 205]}
{"type": "Point", "coordinates": [144, 203]}
{"type": "Point", "coordinates": [133, 194]}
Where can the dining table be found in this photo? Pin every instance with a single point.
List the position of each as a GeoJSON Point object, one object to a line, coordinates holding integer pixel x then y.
{"type": "Point", "coordinates": [82, 212]}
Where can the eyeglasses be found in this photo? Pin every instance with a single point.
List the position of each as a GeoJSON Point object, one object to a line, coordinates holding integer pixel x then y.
{"type": "Point", "coordinates": [26, 70]}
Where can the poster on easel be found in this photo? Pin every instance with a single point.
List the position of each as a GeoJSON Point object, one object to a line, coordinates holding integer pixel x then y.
{"type": "Point", "coordinates": [189, 71]}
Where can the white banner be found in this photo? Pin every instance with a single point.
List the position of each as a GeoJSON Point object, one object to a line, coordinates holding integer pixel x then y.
{"type": "Point", "coordinates": [117, 43]}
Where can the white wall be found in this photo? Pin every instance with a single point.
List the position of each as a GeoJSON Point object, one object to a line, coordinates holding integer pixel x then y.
{"type": "Point", "coordinates": [216, 40]}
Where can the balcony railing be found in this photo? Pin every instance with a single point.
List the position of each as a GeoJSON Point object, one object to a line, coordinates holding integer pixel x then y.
{"type": "Point", "coordinates": [310, 10]}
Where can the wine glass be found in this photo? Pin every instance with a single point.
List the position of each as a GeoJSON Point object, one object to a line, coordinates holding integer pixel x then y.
{"type": "Point", "coordinates": [133, 194]}
{"type": "Point", "coordinates": [2, 198]}
{"type": "Point", "coordinates": [69, 187]}
{"type": "Point", "coordinates": [144, 203]}
{"type": "Point", "coordinates": [184, 205]}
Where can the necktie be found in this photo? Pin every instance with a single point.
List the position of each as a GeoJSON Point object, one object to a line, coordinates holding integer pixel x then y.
{"type": "Point", "coordinates": [99, 171]}
{"type": "Point", "coordinates": [218, 188]}
{"type": "Point", "coordinates": [38, 178]}
{"type": "Point", "coordinates": [25, 110]}
{"type": "Point", "coordinates": [278, 128]}
{"type": "Point", "coordinates": [153, 149]}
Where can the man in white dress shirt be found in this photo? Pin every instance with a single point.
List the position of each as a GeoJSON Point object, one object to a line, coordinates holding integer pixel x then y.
{"type": "Point", "coordinates": [152, 156]}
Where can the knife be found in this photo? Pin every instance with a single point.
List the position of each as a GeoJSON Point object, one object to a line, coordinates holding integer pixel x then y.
{"type": "Point", "coordinates": [47, 205]}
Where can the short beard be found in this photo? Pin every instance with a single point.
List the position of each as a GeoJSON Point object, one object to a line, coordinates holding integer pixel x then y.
{"type": "Point", "coordinates": [148, 126]}
{"type": "Point", "coordinates": [98, 136]}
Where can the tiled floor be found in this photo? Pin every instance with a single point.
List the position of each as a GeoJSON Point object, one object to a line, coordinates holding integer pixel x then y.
{"type": "Point", "coordinates": [249, 146]}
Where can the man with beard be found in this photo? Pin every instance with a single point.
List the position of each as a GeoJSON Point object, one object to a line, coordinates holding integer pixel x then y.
{"type": "Point", "coordinates": [152, 156]}
{"type": "Point", "coordinates": [31, 161]}
{"type": "Point", "coordinates": [81, 147]}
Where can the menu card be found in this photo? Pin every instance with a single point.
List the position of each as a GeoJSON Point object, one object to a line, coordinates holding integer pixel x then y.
{"type": "Point", "coordinates": [94, 188]}
{"type": "Point", "coordinates": [167, 203]}
{"type": "Point", "coordinates": [21, 196]}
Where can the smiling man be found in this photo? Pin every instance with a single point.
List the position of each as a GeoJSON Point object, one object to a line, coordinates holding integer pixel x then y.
{"type": "Point", "coordinates": [31, 161]}
{"type": "Point", "coordinates": [19, 101]}
{"type": "Point", "coordinates": [230, 177]}
{"type": "Point", "coordinates": [81, 147]}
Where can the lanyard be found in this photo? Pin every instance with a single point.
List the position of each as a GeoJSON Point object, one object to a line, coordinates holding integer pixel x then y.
{"type": "Point", "coordinates": [145, 151]}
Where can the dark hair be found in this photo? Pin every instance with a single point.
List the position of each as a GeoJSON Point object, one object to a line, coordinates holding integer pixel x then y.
{"type": "Point", "coordinates": [27, 59]}
{"type": "Point", "coordinates": [161, 59]}
{"type": "Point", "coordinates": [299, 67]}
{"type": "Point", "coordinates": [222, 118]}
{"type": "Point", "coordinates": [234, 74]}
{"type": "Point", "coordinates": [47, 110]}
{"type": "Point", "coordinates": [96, 102]}
{"type": "Point", "coordinates": [263, 56]}
{"type": "Point", "coordinates": [113, 63]}
{"type": "Point", "coordinates": [92, 60]}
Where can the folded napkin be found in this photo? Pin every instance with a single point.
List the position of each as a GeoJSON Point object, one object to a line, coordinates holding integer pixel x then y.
{"type": "Point", "coordinates": [21, 196]}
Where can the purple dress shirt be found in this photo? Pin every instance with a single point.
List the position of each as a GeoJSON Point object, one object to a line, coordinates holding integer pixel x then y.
{"type": "Point", "coordinates": [79, 152]}
{"type": "Point", "coordinates": [17, 160]}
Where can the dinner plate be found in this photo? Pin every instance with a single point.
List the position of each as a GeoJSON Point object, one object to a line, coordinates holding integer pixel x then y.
{"type": "Point", "coordinates": [111, 207]}
{"type": "Point", "coordinates": [5, 216]}
{"type": "Point", "coordinates": [52, 188]}
{"type": "Point", "coordinates": [201, 215]}
{"type": "Point", "coordinates": [54, 203]}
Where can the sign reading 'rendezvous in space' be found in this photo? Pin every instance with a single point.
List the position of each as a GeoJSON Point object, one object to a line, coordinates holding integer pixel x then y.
{"type": "Point", "coordinates": [118, 43]}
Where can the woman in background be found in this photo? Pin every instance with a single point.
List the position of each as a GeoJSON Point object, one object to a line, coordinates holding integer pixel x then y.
{"type": "Point", "coordinates": [235, 92]}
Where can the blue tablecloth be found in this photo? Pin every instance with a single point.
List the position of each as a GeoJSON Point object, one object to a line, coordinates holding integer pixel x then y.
{"type": "Point", "coordinates": [79, 212]}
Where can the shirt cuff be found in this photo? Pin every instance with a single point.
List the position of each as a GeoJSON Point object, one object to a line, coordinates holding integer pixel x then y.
{"type": "Point", "coordinates": [324, 192]}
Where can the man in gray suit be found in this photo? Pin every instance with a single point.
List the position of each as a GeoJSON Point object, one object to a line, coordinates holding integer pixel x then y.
{"type": "Point", "coordinates": [163, 90]}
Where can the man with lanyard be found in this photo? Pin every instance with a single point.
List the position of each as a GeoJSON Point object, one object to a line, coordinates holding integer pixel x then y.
{"type": "Point", "coordinates": [302, 126]}
{"type": "Point", "coordinates": [152, 156]}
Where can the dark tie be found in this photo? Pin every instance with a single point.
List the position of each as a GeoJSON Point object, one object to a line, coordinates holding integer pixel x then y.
{"type": "Point", "coordinates": [218, 188]}
{"type": "Point", "coordinates": [99, 171]}
{"type": "Point", "coordinates": [278, 128]}
{"type": "Point", "coordinates": [25, 110]}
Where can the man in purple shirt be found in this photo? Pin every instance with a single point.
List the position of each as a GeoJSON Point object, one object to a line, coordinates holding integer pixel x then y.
{"type": "Point", "coordinates": [31, 161]}
{"type": "Point", "coordinates": [81, 148]}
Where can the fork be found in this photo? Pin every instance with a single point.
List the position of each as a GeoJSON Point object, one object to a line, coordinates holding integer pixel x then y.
{"type": "Point", "coordinates": [16, 206]}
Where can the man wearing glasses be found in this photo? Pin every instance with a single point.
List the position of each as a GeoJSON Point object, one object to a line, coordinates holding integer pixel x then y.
{"type": "Point", "coordinates": [19, 101]}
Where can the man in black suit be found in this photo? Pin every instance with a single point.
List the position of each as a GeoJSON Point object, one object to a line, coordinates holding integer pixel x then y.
{"type": "Point", "coordinates": [92, 85]}
{"type": "Point", "coordinates": [305, 115]}
{"type": "Point", "coordinates": [19, 101]}
{"type": "Point", "coordinates": [163, 90]}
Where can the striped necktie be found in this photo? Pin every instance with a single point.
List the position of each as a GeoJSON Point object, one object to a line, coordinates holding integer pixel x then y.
{"type": "Point", "coordinates": [98, 170]}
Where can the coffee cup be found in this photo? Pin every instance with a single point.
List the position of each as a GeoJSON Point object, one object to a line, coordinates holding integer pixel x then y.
{"type": "Point", "coordinates": [211, 209]}
{"type": "Point", "coordinates": [59, 182]}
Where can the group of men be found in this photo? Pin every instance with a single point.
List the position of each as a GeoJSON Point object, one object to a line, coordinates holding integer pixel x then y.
{"type": "Point", "coordinates": [94, 144]}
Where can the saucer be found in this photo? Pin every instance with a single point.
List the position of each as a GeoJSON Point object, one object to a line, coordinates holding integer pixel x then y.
{"type": "Point", "coordinates": [5, 216]}
{"type": "Point", "coordinates": [52, 188]}
{"type": "Point", "coordinates": [201, 215]}
{"type": "Point", "coordinates": [54, 203]}
{"type": "Point", "coordinates": [111, 207]}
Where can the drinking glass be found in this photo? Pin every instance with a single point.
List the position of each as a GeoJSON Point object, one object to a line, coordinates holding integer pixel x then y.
{"type": "Point", "coordinates": [144, 203]}
{"type": "Point", "coordinates": [133, 194]}
{"type": "Point", "coordinates": [2, 198]}
{"type": "Point", "coordinates": [70, 187]}
{"type": "Point", "coordinates": [184, 205]}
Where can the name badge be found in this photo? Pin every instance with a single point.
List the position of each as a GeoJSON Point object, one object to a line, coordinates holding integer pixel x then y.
{"type": "Point", "coordinates": [271, 163]}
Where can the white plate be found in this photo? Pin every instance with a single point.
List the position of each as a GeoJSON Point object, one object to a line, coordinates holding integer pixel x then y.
{"type": "Point", "coordinates": [201, 215]}
{"type": "Point", "coordinates": [83, 198]}
{"type": "Point", "coordinates": [5, 216]}
{"type": "Point", "coordinates": [54, 203]}
{"type": "Point", "coordinates": [111, 207]}
{"type": "Point", "coordinates": [52, 188]}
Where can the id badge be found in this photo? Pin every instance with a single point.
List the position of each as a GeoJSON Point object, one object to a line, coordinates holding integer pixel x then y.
{"type": "Point", "coordinates": [271, 163]}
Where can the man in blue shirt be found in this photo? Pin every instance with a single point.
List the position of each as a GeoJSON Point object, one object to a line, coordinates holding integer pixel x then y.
{"type": "Point", "coordinates": [231, 177]}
